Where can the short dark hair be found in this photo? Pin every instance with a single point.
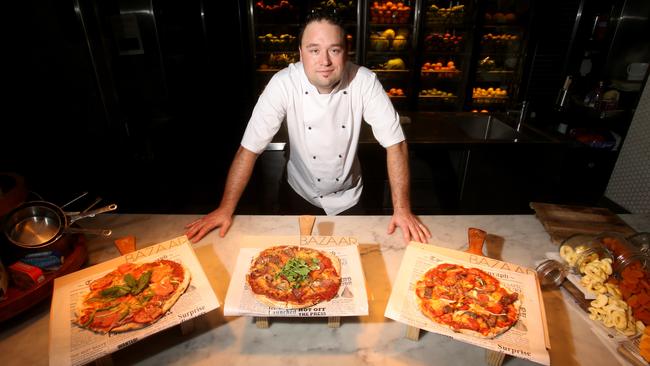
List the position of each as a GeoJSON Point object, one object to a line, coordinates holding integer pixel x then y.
{"type": "Point", "coordinates": [318, 15]}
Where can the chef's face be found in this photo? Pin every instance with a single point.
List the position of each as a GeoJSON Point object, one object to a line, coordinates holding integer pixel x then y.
{"type": "Point", "coordinates": [322, 52]}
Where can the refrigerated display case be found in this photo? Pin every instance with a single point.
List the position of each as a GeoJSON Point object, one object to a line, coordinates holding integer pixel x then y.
{"type": "Point", "coordinates": [275, 26]}
{"type": "Point", "coordinates": [500, 52]}
{"type": "Point", "coordinates": [390, 36]}
{"type": "Point", "coordinates": [430, 55]}
{"type": "Point", "coordinates": [445, 54]}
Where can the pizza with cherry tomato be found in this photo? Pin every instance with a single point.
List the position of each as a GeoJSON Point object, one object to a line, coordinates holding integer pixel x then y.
{"type": "Point", "coordinates": [132, 296]}
{"type": "Point", "coordinates": [467, 300]}
{"type": "Point", "coordinates": [294, 277]}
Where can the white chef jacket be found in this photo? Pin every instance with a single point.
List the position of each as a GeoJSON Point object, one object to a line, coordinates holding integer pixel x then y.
{"type": "Point", "coordinates": [323, 129]}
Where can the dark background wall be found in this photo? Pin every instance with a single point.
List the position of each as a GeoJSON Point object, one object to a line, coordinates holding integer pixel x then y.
{"type": "Point", "coordinates": [149, 128]}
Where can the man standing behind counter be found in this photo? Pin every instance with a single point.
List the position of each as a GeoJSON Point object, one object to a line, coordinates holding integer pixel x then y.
{"type": "Point", "coordinates": [324, 99]}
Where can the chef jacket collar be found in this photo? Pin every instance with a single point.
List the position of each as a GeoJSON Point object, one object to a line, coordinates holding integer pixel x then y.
{"type": "Point", "coordinates": [309, 87]}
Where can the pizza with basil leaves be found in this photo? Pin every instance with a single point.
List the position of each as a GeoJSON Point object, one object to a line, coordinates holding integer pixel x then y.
{"type": "Point", "coordinates": [467, 300]}
{"type": "Point", "coordinates": [132, 296]}
{"type": "Point", "coordinates": [293, 277]}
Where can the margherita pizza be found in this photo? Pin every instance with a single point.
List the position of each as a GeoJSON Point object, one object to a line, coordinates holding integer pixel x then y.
{"type": "Point", "coordinates": [294, 277]}
{"type": "Point", "coordinates": [132, 296]}
{"type": "Point", "coordinates": [467, 300]}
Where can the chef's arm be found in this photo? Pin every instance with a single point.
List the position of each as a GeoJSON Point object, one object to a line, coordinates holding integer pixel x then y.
{"type": "Point", "coordinates": [239, 174]}
{"type": "Point", "coordinates": [399, 179]}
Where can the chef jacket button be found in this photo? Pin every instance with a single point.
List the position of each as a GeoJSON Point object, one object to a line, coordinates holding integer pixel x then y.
{"type": "Point", "coordinates": [321, 196]}
{"type": "Point", "coordinates": [343, 126]}
{"type": "Point", "coordinates": [318, 179]}
{"type": "Point", "coordinates": [306, 92]}
{"type": "Point", "coordinates": [340, 156]}
{"type": "Point", "coordinates": [314, 157]}
{"type": "Point", "coordinates": [337, 179]}
{"type": "Point", "coordinates": [309, 128]}
{"type": "Point", "coordinates": [345, 92]}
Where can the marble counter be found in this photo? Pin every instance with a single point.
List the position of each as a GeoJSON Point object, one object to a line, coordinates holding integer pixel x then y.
{"type": "Point", "coordinates": [360, 340]}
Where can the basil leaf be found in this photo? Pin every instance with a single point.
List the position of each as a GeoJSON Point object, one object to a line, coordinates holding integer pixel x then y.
{"type": "Point", "coordinates": [143, 281]}
{"type": "Point", "coordinates": [115, 291]}
{"type": "Point", "coordinates": [130, 281]}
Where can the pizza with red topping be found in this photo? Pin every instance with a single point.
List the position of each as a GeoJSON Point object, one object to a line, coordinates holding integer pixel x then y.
{"type": "Point", "coordinates": [132, 296]}
{"type": "Point", "coordinates": [467, 300]}
{"type": "Point", "coordinates": [294, 277]}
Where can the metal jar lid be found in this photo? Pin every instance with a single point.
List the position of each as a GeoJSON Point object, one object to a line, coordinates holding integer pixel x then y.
{"type": "Point", "coordinates": [551, 273]}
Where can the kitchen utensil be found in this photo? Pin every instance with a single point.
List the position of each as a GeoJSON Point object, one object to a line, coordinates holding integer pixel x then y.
{"type": "Point", "coordinates": [74, 200]}
{"type": "Point", "coordinates": [41, 224]}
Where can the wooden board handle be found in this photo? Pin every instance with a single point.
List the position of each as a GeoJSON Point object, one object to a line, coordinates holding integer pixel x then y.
{"type": "Point", "coordinates": [306, 224]}
{"type": "Point", "coordinates": [475, 238]}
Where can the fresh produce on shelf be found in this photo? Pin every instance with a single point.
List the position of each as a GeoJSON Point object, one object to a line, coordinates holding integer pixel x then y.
{"type": "Point", "coordinates": [389, 40]}
{"type": "Point", "coordinates": [395, 92]}
{"type": "Point", "coordinates": [279, 61]}
{"type": "Point", "coordinates": [489, 95]}
{"type": "Point", "coordinates": [452, 15]}
{"type": "Point", "coordinates": [439, 66]}
{"type": "Point", "coordinates": [443, 42]}
{"type": "Point", "coordinates": [275, 11]}
{"type": "Point", "coordinates": [392, 64]}
{"type": "Point", "coordinates": [500, 18]}
{"type": "Point", "coordinates": [271, 42]}
{"type": "Point", "coordinates": [441, 69]}
{"type": "Point", "coordinates": [499, 42]}
{"type": "Point", "coordinates": [433, 92]}
{"type": "Point", "coordinates": [346, 9]}
{"type": "Point", "coordinates": [388, 12]}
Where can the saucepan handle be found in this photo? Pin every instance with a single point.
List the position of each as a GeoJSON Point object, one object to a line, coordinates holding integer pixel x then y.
{"type": "Point", "coordinates": [92, 213]}
{"type": "Point", "coordinates": [77, 230]}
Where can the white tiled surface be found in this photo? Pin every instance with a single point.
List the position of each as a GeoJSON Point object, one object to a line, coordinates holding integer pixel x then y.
{"type": "Point", "coordinates": [629, 185]}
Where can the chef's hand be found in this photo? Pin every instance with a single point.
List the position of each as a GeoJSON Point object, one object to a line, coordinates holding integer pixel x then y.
{"type": "Point", "coordinates": [199, 228]}
{"type": "Point", "coordinates": [412, 228]}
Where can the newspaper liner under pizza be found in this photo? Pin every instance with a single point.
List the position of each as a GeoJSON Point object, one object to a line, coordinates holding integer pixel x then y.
{"type": "Point", "coordinates": [132, 296]}
{"type": "Point", "coordinates": [518, 292]}
{"type": "Point", "coordinates": [297, 276]}
{"type": "Point", "coordinates": [71, 344]}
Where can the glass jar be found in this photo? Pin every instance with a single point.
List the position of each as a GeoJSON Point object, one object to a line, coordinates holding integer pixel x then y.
{"type": "Point", "coordinates": [641, 241]}
{"type": "Point", "coordinates": [626, 255]}
{"type": "Point", "coordinates": [551, 272]}
{"type": "Point", "coordinates": [580, 249]}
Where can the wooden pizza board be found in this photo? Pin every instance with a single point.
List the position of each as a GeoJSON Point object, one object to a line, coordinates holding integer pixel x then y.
{"type": "Point", "coordinates": [562, 221]}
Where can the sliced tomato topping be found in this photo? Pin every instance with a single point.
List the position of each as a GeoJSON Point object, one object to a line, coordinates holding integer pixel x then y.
{"type": "Point", "coordinates": [125, 268]}
{"type": "Point", "coordinates": [101, 283]}
{"type": "Point", "coordinates": [162, 288]}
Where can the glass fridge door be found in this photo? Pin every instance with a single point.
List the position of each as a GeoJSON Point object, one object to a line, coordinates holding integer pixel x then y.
{"type": "Point", "coordinates": [389, 38]}
{"type": "Point", "coordinates": [445, 55]}
{"type": "Point", "coordinates": [500, 54]}
{"type": "Point", "coordinates": [275, 27]}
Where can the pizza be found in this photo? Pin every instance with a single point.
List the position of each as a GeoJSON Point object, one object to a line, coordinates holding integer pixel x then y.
{"type": "Point", "coordinates": [132, 296]}
{"type": "Point", "coordinates": [467, 300]}
{"type": "Point", "coordinates": [294, 277]}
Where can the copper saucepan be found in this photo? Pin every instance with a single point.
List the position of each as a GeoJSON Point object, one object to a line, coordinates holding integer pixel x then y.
{"type": "Point", "coordinates": [41, 224]}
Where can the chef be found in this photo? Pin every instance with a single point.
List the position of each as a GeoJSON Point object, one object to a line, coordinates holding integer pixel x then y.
{"type": "Point", "coordinates": [324, 99]}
